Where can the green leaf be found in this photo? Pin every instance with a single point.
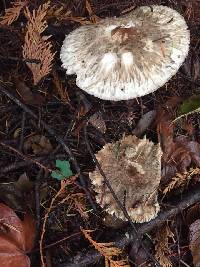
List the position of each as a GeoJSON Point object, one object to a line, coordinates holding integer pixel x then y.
{"type": "Point", "coordinates": [64, 170]}
{"type": "Point", "coordinates": [191, 104]}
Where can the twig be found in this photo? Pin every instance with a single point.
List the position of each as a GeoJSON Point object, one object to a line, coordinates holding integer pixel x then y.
{"type": "Point", "coordinates": [26, 157]}
{"type": "Point", "coordinates": [61, 240]}
{"type": "Point", "coordinates": [56, 242]}
{"type": "Point", "coordinates": [22, 131]}
{"type": "Point", "coordinates": [37, 198]}
{"type": "Point", "coordinates": [33, 257]}
{"type": "Point", "coordinates": [187, 78]}
{"type": "Point", "coordinates": [123, 239]}
{"type": "Point", "coordinates": [15, 166]}
{"type": "Point", "coordinates": [44, 226]}
{"type": "Point", "coordinates": [137, 236]}
{"type": "Point", "coordinates": [27, 60]}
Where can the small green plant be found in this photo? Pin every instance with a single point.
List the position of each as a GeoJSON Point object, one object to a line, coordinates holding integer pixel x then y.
{"type": "Point", "coordinates": [64, 170]}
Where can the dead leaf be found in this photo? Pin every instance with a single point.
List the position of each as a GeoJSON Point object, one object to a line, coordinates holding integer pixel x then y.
{"type": "Point", "coordinates": [144, 123]}
{"type": "Point", "coordinates": [191, 67]}
{"type": "Point", "coordinates": [16, 238]}
{"type": "Point", "coordinates": [112, 221]}
{"type": "Point", "coordinates": [39, 144]}
{"type": "Point", "coordinates": [27, 95]}
{"type": "Point", "coordinates": [138, 254]}
{"type": "Point", "coordinates": [18, 194]}
{"type": "Point", "coordinates": [195, 242]}
{"type": "Point", "coordinates": [192, 214]}
{"type": "Point", "coordinates": [29, 227]}
{"type": "Point", "coordinates": [24, 184]}
{"type": "Point", "coordinates": [98, 122]}
{"type": "Point", "coordinates": [178, 153]}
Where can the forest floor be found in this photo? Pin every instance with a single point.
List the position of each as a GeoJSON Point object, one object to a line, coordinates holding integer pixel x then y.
{"type": "Point", "coordinates": [48, 123]}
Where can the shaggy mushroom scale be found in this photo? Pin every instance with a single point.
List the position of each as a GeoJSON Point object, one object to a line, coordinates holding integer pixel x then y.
{"type": "Point", "coordinates": [133, 168]}
{"type": "Point", "coordinates": [127, 57]}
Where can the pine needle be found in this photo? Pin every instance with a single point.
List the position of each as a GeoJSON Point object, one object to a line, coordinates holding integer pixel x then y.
{"type": "Point", "coordinates": [12, 13]}
{"type": "Point", "coordinates": [108, 250]}
{"type": "Point", "coordinates": [36, 46]}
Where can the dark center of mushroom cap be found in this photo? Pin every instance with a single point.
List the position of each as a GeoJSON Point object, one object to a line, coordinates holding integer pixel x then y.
{"type": "Point", "coordinates": [123, 34]}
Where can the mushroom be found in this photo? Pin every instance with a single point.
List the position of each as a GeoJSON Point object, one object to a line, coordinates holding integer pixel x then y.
{"type": "Point", "coordinates": [133, 168]}
{"type": "Point", "coordinates": [127, 57]}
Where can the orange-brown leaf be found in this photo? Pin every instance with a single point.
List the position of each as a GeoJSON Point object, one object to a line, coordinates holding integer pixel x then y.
{"type": "Point", "coordinates": [16, 237]}
{"type": "Point", "coordinates": [29, 230]}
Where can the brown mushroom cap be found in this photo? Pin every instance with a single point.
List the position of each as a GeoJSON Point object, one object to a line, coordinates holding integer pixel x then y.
{"type": "Point", "coordinates": [127, 57]}
{"type": "Point", "coordinates": [133, 168]}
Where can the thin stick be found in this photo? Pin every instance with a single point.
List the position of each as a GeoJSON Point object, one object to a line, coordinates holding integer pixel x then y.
{"type": "Point", "coordinates": [26, 157]}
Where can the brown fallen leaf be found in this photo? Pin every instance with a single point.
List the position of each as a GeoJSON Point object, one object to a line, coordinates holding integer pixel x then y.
{"type": "Point", "coordinates": [98, 122]}
{"type": "Point", "coordinates": [27, 95]}
{"type": "Point", "coordinates": [23, 184]}
{"type": "Point", "coordinates": [144, 123]}
{"type": "Point", "coordinates": [137, 253]}
{"type": "Point", "coordinates": [195, 242]}
{"type": "Point", "coordinates": [179, 156]}
{"type": "Point", "coordinates": [39, 144]}
{"type": "Point", "coordinates": [191, 67]}
{"type": "Point", "coordinates": [16, 238]}
{"type": "Point", "coordinates": [192, 214]}
{"type": "Point", "coordinates": [179, 153]}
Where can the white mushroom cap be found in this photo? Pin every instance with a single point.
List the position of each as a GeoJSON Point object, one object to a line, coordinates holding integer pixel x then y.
{"type": "Point", "coordinates": [127, 57]}
{"type": "Point", "coordinates": [133, 168]}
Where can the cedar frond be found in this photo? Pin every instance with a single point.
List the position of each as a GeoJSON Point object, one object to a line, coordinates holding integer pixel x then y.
{"type": "Point", "coordinates": [61, 13]}
{"type": "Point", "coordinates": [108, 250]}
{"type": "Point", "coordinates": [59, 86]}
{"type": "Point", "coordinates": [162, 246]}
{"type": "Point", "coordinates": [58, 12]}
{"type": "Point", "coordinates": [12, 13]}
{"type": "Point", "coordinates": [90, 9]}
{"type": "Point", "coordinates": [36, 46]}
{"type": "Point", "coordinates": [181, 180]}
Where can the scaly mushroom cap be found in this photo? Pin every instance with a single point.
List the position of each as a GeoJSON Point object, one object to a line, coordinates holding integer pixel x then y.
{"type": "Point", "coordinates": [133, 168]}
{"type": "Point", "coordinates": [127, 57]}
